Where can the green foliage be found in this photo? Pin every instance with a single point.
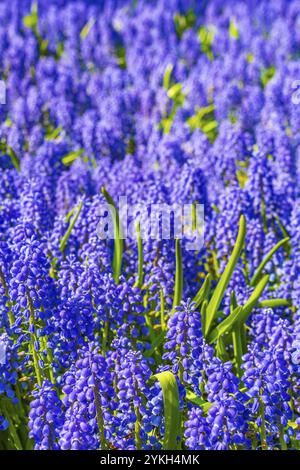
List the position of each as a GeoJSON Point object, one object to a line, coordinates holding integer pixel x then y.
{"type": "Point", "coordinates": [178, 289]}
{"type": "Point", "coordinates": [233, 30]}
{"type": "Point", "coordinates": [87, 28]}
{"type": "Point", "coordinates": [268, 257]}
{"type": "Point", "coordinates": [204, 119]}
{"type": "Point", "coordinates": [184, 22]}
{"type": "Point", "coordinates": [118, 236]}
{"type": "Point", "coordinates": [218, 293]}
{"type": "Point", "coordinates": [266, 75]}
{"type": "Point", "coordinates": [72, 156]}
{"type": "Point", "coordinates": [64, 240]}
{"type": "Point", "coordinates": [171, 409]}
{"type": "Point", "coordinates": [206, 38]}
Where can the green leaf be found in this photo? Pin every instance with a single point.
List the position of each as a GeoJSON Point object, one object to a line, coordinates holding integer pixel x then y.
{"type": "Point", "coordinates": [225, 326]}
{"type": "Point", "coordinates": [171, 409]}
{"type": "Point", "coordinates": [87, 28]}
{"type": "Point", "coordinates": [203, 315]}
{"type": "Point", "coordinates": [239, 315]}
{"type": "Point", "coordinates": [273, 303]}
{"type": "Point", "coordinates": [253, 299]}
{"type": "Point", "coordinates": [31, 20]}
{"type": "Point", "coordinates": [203, 292]}
{"type": "Point", "coordinates": [178, 289]}
{"type": "Point", "coordinates": [206, 38]}
{"type": "Point", "coordinates": [233, 30]}
{"type": "Point", "coordinates": [14, 158]}
{"type": "Point", "coordinates": [266, 75]}
{"type": "Point", "coordinates": [260, 268]}
{"type": "Point", "coordinates": [54, 133]}
{"type": "Point", "coordinates": [167, 76]}
{"type": "Point", "coordinates": [193, 398]}
{"type": "Point", "coordinates": [64, 240]}
{"type": "Point", "coordinates": [233, 302]}
{"type": "Point", "coordinates": [174, 91]}
{"type": "Point", "coordinates": [118, 236]}
{"type": "Point", "coordinates": [218, 294]}
{"type": "Point", "coordinates": [158, 341]}
{"type": "Point", "coordinates": [140, 278]}
{"type": "Point", "coordinates": [72, 156]}
{"type": "Point", "coordinates": [184, 22]}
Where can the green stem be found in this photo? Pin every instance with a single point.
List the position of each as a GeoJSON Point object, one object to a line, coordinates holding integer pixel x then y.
{"type": "Point", "coordinates": [221, 350]}
{"type": "Point", "coordinates": [11, 318]}
{"type": "Point", "coordinates": [237, 347]}
{"type": "Point", "coordinates": [105, 337]}
{"type": "Point", "coordinates": [33, 339]}
{"type": "Point", "coordinates": [162, 310]}
{"type": "Point", "coordinates": [49, 360]}
{"type": "Point", "coordinates": [140, 278]}
{"type": "Point", "coordinates": [99, 414]}
{"type": "Point", "coordinates": [243, 339]}
{"type": "Point", "coordinates": [178, 288]}
{"type": "Point", "coordinates": [262, 428]}
{"type": "Point", "coordinates": [281, 438]}
{"type": "Point", "coordinates": [137, 429]}
{"type": "Point", "coordinates": [12, 429]}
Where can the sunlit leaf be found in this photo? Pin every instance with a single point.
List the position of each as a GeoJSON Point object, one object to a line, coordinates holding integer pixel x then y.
{"type": "Point", "coordinates": [178, 289]}
{"type": "Point", "coordinates": [171, 409]}
{"type": "Point", "coordinates": [64, 240]}
{"type": "Point", "coordinates": [268, 257]}
{"type": "Point", "coordinates": [118, 236]}
{"type": "Point", "coordinates": [219, 291]}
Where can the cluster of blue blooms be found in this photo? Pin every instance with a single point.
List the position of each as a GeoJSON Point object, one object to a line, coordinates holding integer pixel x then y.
{"type": "Point", "coordinates": [168, 101]}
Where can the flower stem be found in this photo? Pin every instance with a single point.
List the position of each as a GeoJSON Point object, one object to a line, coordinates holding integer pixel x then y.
{"type": "Point", "coordinates": [33, 339]}
{"type": "Point", "coordinates": [99, 414]}
{"type": "Point", "coordinates": [262, 429]}
{"type": "Point", "coordinates": [137, 428]}
{"type": "Point", "coordinates": [237, 347]}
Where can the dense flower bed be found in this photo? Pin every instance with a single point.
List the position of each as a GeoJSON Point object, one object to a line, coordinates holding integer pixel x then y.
{"type": "Point", "coordinates": [167, 101]}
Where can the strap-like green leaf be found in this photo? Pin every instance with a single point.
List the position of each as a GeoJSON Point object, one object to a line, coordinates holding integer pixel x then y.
{"type": "Point", "coordinates": [87, 28]}
{"type": "Point", "coordinates": [171, 409]}
{"type": "Point", "coordinates": [14, 158]}
{"type": "Point", "coordinates": [140, 278]}
{"type": "Point", "coordinates": [225, 326]}
{"type": "Point", "coordinates": [64, 240]}
{"type": "Point", "coordinates": [253, 299]}
{"type": "Point", "coordinates": [273, 303]}
{"type": "Point", "coordinates": [260, 268]}
{"type": "Point", "coordinates": [193, 398]}
{"type": "Point", "coordinates": [240, 314]}
{"type": "Point", "coordinates": [203, 315]}
{"type": "Point", "coordinates": [156, 344]}
{"type": "Point", "coordinates": [167, 76]}
{"type": "Point", "coordinates": [118, 237]}
{"type": "Point", "coordinates": [218, 294]}
{"type": "Point", "coordinates": [203, 292]}
{"type": "Point", "coordinates": [72, 156]}
{"type": "Point", "coordinates": [178, 276]}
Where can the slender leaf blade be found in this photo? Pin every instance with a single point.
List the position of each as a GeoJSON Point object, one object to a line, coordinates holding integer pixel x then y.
{"type": "Point", "coordinates": [203, 292]}
{"type": "Point", "coordinates": [218, 294]}
{"type": "Point", "coordinates": [169, 387]}
{"type": "Point", "coordinates": [225, 326]}
{"type": "Point", "coordinates": [118, 236]}
{"type": "Point", "coordinates": [64, 240]}
{"type": "Point", "coordinates": [253, 299]}
{"type": "Point", "coordinates": [273, 303]}
{"type": "Point", "coordinates": [260, 268]}
{"type": "Point", "coordinates": [178, 289]}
